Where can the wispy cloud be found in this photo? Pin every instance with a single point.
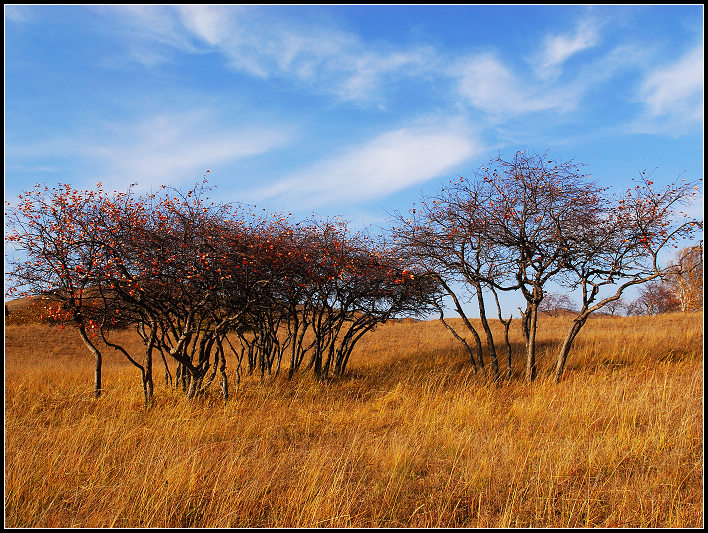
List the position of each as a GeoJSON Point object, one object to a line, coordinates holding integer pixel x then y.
{"type": "Point", "coordinates": [390, 162]}
{"type": "Point", "coordinates": [557, 49]}
{"type": "Point", "coordinates": [162, 149]}
{"type": "Point", "coordinates": [318, 56]}
{"type": "Point", "coordinates": [489, 85]}
{"type": "Point", "coordinates": [152, 34]}
{"type": "Point", "coordinates": [18, 14]}
{"type": "Point", "coordinates": [167, 148]}
{"type": "Point", "coordinates": [673, 95]}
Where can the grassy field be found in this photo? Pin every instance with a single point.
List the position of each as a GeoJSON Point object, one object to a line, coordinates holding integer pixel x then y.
{"type": "Point", "coordinates": [410, 438]}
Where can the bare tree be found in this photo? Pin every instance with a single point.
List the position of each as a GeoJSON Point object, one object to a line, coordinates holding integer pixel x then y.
{"type": "Point", "coordinates": [524, 222]}
{"type": "Point", "coordinates": [615, 307]}
{"type": "Point", "coordinates": [622, 248]}
{"type": "Point", "coordinates": [445, 237]}
{"type": "Point", "coordinates": [686, 277]}
{"type": "Point", "coordinates": [510, 228]}
{"type": "Point", "coordinates": [655, 298]}
{"type": "Point", "coordinates": [56, 233]}
{"type": "Point", "coordinates": [556, 304]}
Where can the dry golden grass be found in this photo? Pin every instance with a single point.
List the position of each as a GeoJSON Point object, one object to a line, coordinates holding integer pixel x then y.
{"type": "Point", "coordinates": [410, 438]}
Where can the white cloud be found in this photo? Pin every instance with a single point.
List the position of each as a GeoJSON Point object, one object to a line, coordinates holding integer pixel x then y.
{"type": "Point", "coordinates": [18, 14]}
{"type": "Point", "coordinates": [166, 148]}
{"type": "Point", "coordinates": [557, 49]}
{"type": "Point", "coordinates": [315, 55]}
{"type": "Point", "coordinates": [212, 24]}
{"type": "Point", "coordinates": [673, 94]}
{"type": "Point", "coordinates": [388, 163]}
{"type": "Point", "coordinates": [162, 149]}
{"type": "Point", "coordinates": [151, 33]}
{"type": "Point", "coordinates": [489, 85]}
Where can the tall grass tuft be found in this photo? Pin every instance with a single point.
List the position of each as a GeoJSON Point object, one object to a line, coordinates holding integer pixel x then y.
{"type": "Point", "coordinates": [410, 437]}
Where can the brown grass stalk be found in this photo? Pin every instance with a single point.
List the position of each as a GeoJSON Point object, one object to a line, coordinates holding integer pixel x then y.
{"type": "Point", "coordinates": [410, 437]}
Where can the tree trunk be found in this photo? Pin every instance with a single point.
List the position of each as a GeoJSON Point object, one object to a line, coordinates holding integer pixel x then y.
{"type": "Point", "coordinates": [509, 369]}
{"type": "Point", "coordinates": [461, 339]}
{"type": "Point", "coordinates": [525, 323]}
{"type": "Point", "coordinates": [98, 359]}
{"type": "Point", "coordinates": [488, 332]}
{"type": "Point", "coordinates": [507, 325]}
{"type": "Point", "coordinates": [97, 374]}
{"type": "Point", "coordinates": [148, 387]}
{"type": "Point", "coordinates": [567, 345]}
{"type": "Point", "coordinates": [532, 316]}
{"type": "Point", "coordinates": [468, 324]}
{"type": "Point", "coordinates": [224, 383]}
{"type": "Point", "coordinates": [168, 374]}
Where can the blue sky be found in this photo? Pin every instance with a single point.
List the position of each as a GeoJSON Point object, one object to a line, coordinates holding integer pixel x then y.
{"type": "Point", "coordinates": [352, 111]}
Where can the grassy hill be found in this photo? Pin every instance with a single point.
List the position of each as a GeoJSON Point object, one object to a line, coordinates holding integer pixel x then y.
{"type": "Point", "coordinates": [23, 311]}
{"type": "Point", "coordinates": [410, 438]}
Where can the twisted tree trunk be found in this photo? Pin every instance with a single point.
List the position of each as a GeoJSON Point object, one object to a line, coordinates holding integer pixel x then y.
{"type": "Point", "coordinates": [97, 357]}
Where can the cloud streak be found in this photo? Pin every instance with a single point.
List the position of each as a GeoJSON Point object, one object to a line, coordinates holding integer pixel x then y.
{"type": "Point", "coordinates": [557, 49]}
{"type": "Point", "coordinates": [673, 94]}
{"type": "Point", "coordinates": [318, 57]}
{"type": "Point", "coordinates": [486, 83]}
{"type": "Point", "coordinates": [392, 161]}
{"type": "Point", "coordinates": [169, 147]}
{"type": "Point", "coordinates": [161, 149]}
{"type": "Point", "coordinates": [322, 58]}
